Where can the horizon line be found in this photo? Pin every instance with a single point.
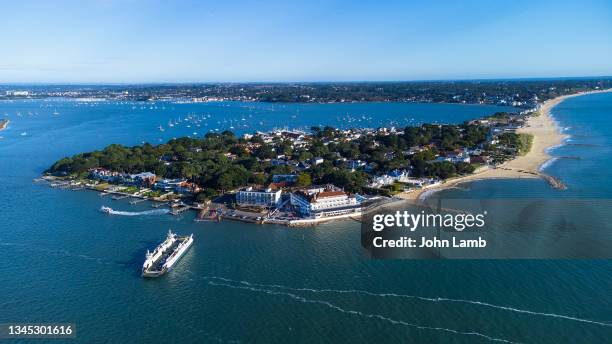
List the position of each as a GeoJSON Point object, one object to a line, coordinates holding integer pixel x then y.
{"type": "Point", "coordinates": [136, 83]}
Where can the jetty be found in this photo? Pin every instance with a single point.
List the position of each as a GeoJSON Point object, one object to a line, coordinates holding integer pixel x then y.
{"type": "Point", "coordinates": [137, 200]}
{"type": "Point", "coordinates": [61, 184]}
{"type": "Point", "coordinates": [157, 204]}
{"type": "Point", "coordinates": [555, 182]}
{"type": "Point", "coordinates": [179, 209]}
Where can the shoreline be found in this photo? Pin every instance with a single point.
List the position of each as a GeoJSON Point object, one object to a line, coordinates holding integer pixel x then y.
{"type": "Point", "coordinates": [179, 209]}
{"type": "Point", "coordinates": [546, 136]}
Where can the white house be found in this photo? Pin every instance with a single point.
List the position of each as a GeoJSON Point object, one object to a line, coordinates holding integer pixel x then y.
{"type": "Point", "coordinates": [258, 197]}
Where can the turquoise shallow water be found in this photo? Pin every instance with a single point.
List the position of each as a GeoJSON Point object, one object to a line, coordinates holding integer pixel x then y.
{"type": "Point", "coordinates": [62, 260]}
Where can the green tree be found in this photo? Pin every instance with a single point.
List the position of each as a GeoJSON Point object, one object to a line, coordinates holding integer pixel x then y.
{"type": "Point", "coordinates": [304, 179]}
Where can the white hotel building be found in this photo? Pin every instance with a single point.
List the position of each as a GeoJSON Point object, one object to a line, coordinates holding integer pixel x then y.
{"type": "Point", "coordinates": [321, 202]}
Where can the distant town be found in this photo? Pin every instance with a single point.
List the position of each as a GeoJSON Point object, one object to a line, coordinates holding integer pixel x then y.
{"type": "Point", "coordinates": [517, 93]}
{"type": "Point", "coordinates": [292, 177]}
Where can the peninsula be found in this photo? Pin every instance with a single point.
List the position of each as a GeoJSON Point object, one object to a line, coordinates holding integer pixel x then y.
{"type": "Point", "coordinates": [299, 178]}
{"type": "Point", "coordinates": [294, 177]}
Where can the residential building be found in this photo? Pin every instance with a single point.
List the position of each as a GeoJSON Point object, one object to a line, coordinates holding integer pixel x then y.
{"type": "Point", "coordinates": [317, 160]}
{"type": "Point", "coordinates": [169, 184]}
{"type": "Point", "coordinates": [355, 164]}
{"type": "Point", "coordinates": [479, 159]}
{"type": "Point", "coordinates": [259, 197]}
{"type": "Point", "coordinates": [288, 178]}
{"type": "Point", "coordinates": [144, 178]}
{"type": "Point", "coordinates": [104, 174]}
{"type": "Point", "coordinates": [392, 177]}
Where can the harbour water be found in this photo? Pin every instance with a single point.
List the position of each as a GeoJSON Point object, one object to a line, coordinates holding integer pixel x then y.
{"type": "Point", "coordinates": [64, 261]}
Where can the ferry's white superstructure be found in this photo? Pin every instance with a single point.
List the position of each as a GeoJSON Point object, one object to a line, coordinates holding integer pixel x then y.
{"type": "Point", "coordinates": [166, 255]}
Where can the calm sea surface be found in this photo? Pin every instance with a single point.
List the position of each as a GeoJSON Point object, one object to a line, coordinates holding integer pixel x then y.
{"type": "Point", "coordinates": [63, 261]}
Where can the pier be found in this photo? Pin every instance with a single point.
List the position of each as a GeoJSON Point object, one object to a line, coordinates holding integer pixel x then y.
{"type": "Point", "coordinates": [179, 210]}
{"type": "Point", "coordinates": [61, 185]}
{"type": "Point", "coordinates": [156, 204]}
{"type": "Point", "coordinates": [137, 200]}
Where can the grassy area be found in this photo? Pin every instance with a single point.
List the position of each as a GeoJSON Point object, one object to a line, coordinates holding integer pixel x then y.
{"type": "Point", "coordinates": [153, 193]}
{"type": "Point", "coordinates": [477, 165]}
{"type": "Point", "coordinates": [130, 190]}
{"type": "Point", "coordinates": [521, 143]}
{"type": "Point", "coordinates": [394, 188]}
{"type": "Point", "coordinates": [525, 141]}
{"type": "Point", "coordinates": [102, 186]}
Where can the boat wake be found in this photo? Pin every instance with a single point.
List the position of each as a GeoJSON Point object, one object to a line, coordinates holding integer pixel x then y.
{"type": "Point", "coordinates": [138, 213]}
{"type": "Point", "coordinates": [416, 297]}
{"type": "Point", "coordinates": [358, 313]}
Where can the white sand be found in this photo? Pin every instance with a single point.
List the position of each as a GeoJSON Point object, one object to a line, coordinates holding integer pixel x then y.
{"type": "Point", "coordinates": [546, 134]}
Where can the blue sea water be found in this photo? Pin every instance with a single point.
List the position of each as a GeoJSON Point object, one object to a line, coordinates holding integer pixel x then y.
{"type": "Point", "coordinates": [64, 261]}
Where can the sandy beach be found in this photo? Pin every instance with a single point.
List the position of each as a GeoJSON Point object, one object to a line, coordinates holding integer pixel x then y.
{"type": "Point", "coordinates": [546, 134]}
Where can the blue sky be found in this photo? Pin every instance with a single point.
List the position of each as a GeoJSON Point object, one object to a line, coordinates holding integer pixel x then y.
{"type": "Point", "coordinates": [199, 41]}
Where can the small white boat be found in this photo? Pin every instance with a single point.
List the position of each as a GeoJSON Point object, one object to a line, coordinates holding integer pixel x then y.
{"type": "Point", "coordinates": [106, 210]}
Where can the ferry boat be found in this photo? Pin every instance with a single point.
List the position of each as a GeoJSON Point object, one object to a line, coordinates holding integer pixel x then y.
{"type": "Point", "coordinates": [166, 255]}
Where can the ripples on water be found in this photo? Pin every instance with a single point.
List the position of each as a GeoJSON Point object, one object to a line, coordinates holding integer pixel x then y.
{"type": "Point", "coordinates": [244, 283]}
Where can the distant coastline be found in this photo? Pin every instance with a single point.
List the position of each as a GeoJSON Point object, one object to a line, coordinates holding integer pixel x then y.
{"type": "Point", "coordinates": [507, 92]}
{"type": "Point", "coordinates": [546, 135]}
